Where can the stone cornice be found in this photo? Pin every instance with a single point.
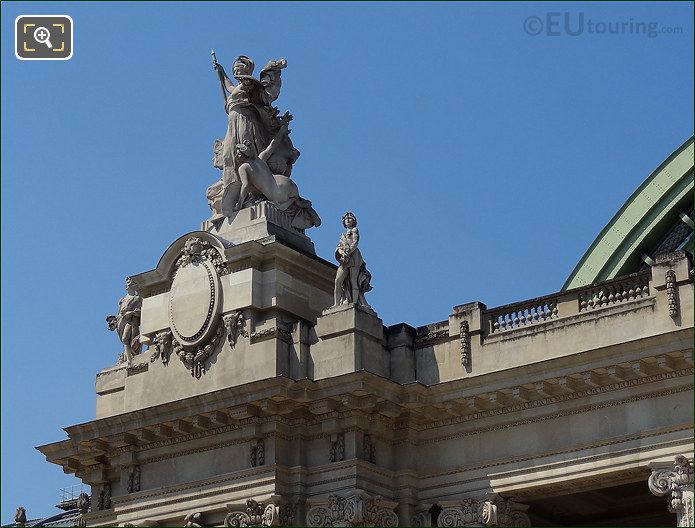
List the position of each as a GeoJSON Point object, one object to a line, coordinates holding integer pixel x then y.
{"type": "Point", "coordinates": [351, 395]}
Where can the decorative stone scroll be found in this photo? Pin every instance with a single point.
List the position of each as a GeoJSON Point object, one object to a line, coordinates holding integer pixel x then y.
{"type": "Point", "coordinates": [677, 484]}
{"type": "Point", "coordinates": [494, 511]}
{"type": "Point", "coordinates": [355, 510]}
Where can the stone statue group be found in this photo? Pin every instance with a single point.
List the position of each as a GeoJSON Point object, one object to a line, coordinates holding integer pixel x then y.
{"type": "Point", "coordinates": [256, 155]}
{"type": "Point", "coordinates": [256, 158]}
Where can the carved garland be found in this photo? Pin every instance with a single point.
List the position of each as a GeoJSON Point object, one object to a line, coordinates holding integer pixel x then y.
{"type": "Point", "coordinates": [465, 344]}
{"type": "Point", "coordinates": [672, 293]}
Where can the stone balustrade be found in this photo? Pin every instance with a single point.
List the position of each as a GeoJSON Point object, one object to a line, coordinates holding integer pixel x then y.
{"type": "Point", "coordinates": [567, 303]}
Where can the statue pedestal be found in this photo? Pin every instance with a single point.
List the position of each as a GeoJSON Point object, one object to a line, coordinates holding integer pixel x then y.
{"type": "Point", "coordinates": [261, 222]}
{"type": "Point", "coordinates": [351, 338]}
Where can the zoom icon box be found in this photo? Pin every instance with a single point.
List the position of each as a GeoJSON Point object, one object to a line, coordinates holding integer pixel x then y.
{"type": "Point", "coordinates": [43, 37]}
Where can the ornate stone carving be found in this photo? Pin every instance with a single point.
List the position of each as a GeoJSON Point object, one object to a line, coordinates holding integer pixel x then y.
{"type": "Point", "coordinates": [134, 480]}
{"type": "Point", "coordinates": [234, 326]}
{"type": "Point", "coordinates": [194, 302]}
{"type": "Point", "coordinates": [162, 346]}
{"type": "Point", "coordinates": [258, 453]}
{"type": "Point", "coordinates": [677, 484]}
{"type": "Point", "coordinates": [104, 500]}
{"type": "Point", "coordinates": [194, 358]}
{"type": "Point", "coordinates": [352, 280]}
{"type": "Point", "coordinates": [465, 343]}
{"type": "Point", "coordinates": [282, 331]}
{"type": "Point", "coordinates": [368, 449]}
{"type": "Point", "coordinates": [127, 322]}
{"type": "Point", "coordinates": [256, 514]}
{"type": "Point", "coordinates": [487, 512]}
{"type": "Point", "coordinates": [354, 510]}
{"type": "Point", "coordinates": [337, 450]}
{"type": "Point", "coordinates": [20, 516]}
{"type": "Point", "coordinates": [196, 250]}
{"type": "Point", "coordinates": [672, 293]}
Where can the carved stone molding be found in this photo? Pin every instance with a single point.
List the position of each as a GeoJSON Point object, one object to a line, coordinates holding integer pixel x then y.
{"type": "Point", "coordinates": [677, 484]}
{"type": "Point", "coordinates": [493, 511]}
{"type": "Point", "coordinates": [234, 326]}
{"type": "Point", "coordinates": [282, 331]}
{"type": "Point", "coordinates": [337, 450]}
{"type": "Point", "coordinates": [359, 509]}
{"type": "Point", "coordinates": [465, 344]}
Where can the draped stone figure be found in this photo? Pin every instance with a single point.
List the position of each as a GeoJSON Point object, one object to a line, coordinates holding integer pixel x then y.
{"type": "Point", "coordinates": [252, 124]}
{"type": "Point", "coordinates": [352, 279]}
{"type": "Point", "coordinates": [127, 322]}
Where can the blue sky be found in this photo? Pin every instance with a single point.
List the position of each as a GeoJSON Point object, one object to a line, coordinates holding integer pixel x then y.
{"type": "Point", "coordinates": [481, 162]}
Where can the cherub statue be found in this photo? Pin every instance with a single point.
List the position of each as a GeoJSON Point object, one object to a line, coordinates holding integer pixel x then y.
{"type": "Point", "coordinates": [352, 280]}
{"type": "Point", "coordinates": [127, 322]}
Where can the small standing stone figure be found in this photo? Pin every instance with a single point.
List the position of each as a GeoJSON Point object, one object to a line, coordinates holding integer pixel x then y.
{"type": "Point", "coordinates": [352, 279]}
{"type": "Point", "coordinates": [127, 322]}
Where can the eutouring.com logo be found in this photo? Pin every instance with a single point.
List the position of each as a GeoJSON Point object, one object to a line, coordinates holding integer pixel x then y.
{"type": "Point", "coordinates": [558, 24]}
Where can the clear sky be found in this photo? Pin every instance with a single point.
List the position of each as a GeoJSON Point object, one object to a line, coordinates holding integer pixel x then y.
{"type": "Point", "coordinates": [481, 162]}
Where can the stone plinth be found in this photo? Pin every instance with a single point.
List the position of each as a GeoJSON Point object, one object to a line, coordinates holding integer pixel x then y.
{"type": "Point", "coordinates": [350, 338]}
{"type": "Point", "coordinates": [261, 222]}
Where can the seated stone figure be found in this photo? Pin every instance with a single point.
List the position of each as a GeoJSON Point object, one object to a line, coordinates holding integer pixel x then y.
{"type": "Point", "coordinates": [257, 178]}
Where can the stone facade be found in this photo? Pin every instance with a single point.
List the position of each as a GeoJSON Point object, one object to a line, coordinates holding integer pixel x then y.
{"type": "Point", "coordinates": [271, 393]}
{"type": "Point", "coordinates": [334, 419]}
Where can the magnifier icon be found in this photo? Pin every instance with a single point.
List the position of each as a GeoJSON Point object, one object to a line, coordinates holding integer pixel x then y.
{"type": "Point", "coordinates": [42, 36]}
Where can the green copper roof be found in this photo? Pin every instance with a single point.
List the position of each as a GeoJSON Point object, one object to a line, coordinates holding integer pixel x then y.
{"type": "Point", "coordinates": [643, 217]}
